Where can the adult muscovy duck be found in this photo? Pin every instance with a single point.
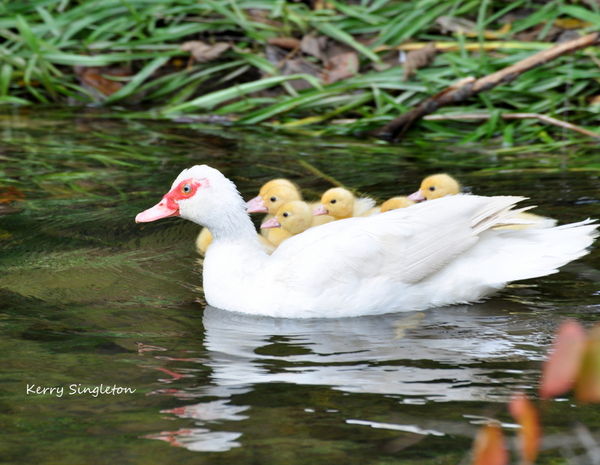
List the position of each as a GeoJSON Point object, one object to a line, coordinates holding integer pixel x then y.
{"type": "Point", "coordinates": [432, 254]}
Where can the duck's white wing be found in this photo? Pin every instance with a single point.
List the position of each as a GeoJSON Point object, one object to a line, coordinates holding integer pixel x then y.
{"type": "Point", "coordinates": [405, 245]}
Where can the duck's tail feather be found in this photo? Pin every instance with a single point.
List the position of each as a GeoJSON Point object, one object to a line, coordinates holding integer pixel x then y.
{"type": "Point", "coordinates": [538, 251]}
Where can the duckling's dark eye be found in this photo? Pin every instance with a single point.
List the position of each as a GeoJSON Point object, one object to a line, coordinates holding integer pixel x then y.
{"type": "Point", "coordinates": [286, 214]}
{"type": "Point", "coordinates": [273, 199]}
{"type": "Point", "coordinates": [432, 188]}
{"type": "Point", "coordinates": [333, 201]}
{"type": "Point", "coordinates": [186, 189]}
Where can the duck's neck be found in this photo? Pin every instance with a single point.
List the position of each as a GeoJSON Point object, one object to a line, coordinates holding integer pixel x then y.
{"type": "Point", "coordinates": [233, 225]}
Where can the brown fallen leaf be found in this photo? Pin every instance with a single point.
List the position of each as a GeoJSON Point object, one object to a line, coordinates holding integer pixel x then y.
{"type": "Point", "coordinates": [587, 388]}
{"type": "Point", "coordinates": [525, 413]}
{"type": "Point", "coordinates": [456, 24]}
{"type": "Point", "coordinates": [341, 66]}
{"type": "Point", "coordinates": [489, 447]}
{"type": "Point", "coordinates": [288, 66]}
{"type": "Point", "coordinates": [560, 370]}
{"type": "Point", "coordinates": [263, 16]}
{"type": "Point", "coordinates": [289, 43]}
{"type": "Point", "coordinates": [321, 5]}
{"type": "Point", "coordinates": [595, 100]}
{"type": "Point", "coordinates": [417, 59]}
{"type": "Point", "coordinates": [203, 52]}
{"type": "Point", "coordinates": [98, 79]}
{"type": "Point", "coordinates": [314, 45]}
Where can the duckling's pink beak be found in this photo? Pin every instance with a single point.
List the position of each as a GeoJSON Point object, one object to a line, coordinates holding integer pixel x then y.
{"type": "Point", "coordinates": [271, 223]}
{"type": "Point", "coordinates": [417, 196]}
{"type": "Point", "coordinates": [320, 210]}
{"type": "Point", "coordinates": [162, 209]}
{"type": "Point", "coordinates": [256, 205]}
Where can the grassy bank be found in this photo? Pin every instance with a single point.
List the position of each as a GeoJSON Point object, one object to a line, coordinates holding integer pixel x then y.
{"type": "Point", "coordinates": [328, 67]}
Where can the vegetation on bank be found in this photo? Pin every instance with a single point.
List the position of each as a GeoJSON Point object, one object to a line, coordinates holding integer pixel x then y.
{"type": "Point", "coordinates": [327, 66]}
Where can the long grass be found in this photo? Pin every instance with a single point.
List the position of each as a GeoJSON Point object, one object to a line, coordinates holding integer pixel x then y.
{"type": "Point", "coordinates": [44, 42]}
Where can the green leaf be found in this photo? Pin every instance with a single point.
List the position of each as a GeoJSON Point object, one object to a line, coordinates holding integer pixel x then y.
{"type": "Point", "coordinates": [335, 33]}
{"type": "Point", "coordinates": [581, 13]}
{"type": "Point", "coordinates": [137, 80]}
{"type": "Point", "coordinates": [215, 98]}
{"type": "Point", "coordinates": [5, 77]}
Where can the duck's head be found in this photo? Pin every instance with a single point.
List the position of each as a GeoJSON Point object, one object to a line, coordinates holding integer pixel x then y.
{"type": "Point", "coordinates": [337, 202]}
{"type": "Point", "coordinates": [273, 183]}
{"type": "Point", "coordinates": [196, 194]}
{"type": "Point", "coordinates": [394, 203]}
{"type": "Point", "coordinates": [436, 186]}
{"type": "Point", "coordinates": [294, 217]}
{"type": "Point", "coordinates": [272, 195]}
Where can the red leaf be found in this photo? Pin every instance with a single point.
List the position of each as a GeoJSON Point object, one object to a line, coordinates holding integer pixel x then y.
{"type": "Point", "coordinates": [489, 447]}
{"type": "Point", "coordinates": [561, 368]}
{"type": "Point", "coordinates": [10, 194]}
{"type": "Point", "coordinates": [587, 388]}
{"type": "Point", "coordinates": [98, 79]}
{"type": "Point", "coordinates": [525, 413]}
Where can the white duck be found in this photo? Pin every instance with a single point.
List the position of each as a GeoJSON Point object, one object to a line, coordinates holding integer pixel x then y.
{"type": "Point", "coordinates": [431, 254]}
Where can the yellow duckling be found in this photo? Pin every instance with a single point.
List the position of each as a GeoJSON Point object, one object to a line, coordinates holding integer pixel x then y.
{"type": "Point", "coordinates": [270, 197]}
{"type": "Point", "coordinates": [340, 203]}
{"type": "Point", "coordinates": [440, 185]}
{"type": "Point", "coordinates": [205, 238]}
{"type": "Point", "coordinates": [292, 218]}
{"type": "Point", "coordinates": [436, 186]}
{"type": "Point", "coordinates": [394, 203]}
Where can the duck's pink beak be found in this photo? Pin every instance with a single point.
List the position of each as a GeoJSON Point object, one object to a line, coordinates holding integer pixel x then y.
{"type": "Point", "coordinates": [256, 205]}
{"type": "Point", "coordinates": [417, 196]}
{"type": "Point", "coordinates": [271, 223]}
{"type": "Point", "coordinates": [320, 210]}
{"type": "Point", "coordinates": [162, 209]}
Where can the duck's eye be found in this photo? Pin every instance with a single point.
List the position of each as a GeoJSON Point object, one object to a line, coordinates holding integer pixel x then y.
{"type": "Point", "coordinates": [186, 189]}
{"type": "Point", "coordinates": [286, 214]}
{"type": "Point", "coordinates": [273, 199]}
{"type": "Point", "coordinates": [333, 201]}
{"type": "Point", "coordinates": [432, 188]}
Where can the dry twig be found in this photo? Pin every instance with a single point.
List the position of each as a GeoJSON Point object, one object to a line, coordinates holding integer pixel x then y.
{"type": "Point", "coordinates": [486, 116]}
{"type": "Point", "coordinates": [467, 88]}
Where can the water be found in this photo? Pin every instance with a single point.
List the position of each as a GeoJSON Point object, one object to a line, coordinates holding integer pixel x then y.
{"type": "Point", "coordinates": [89, 298]}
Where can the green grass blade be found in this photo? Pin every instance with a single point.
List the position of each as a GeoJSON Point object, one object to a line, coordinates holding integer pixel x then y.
{"type": "Point", "coordinates": [335, 33]}
{"type": "Point", "coordinates": [215, 98]}
{"type": "Point", "coordinates": [137, 80]}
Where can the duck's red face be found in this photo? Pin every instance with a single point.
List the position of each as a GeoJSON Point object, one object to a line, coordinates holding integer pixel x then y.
{"type": "Point", "coordinates": [169, 205]}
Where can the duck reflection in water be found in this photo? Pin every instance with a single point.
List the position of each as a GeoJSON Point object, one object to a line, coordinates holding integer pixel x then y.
{"type": "Point", "coordinates": [451, 354]}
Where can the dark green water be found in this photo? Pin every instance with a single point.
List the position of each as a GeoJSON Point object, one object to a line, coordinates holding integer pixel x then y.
{"type": "Point", "coordinates": [87, 297]}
